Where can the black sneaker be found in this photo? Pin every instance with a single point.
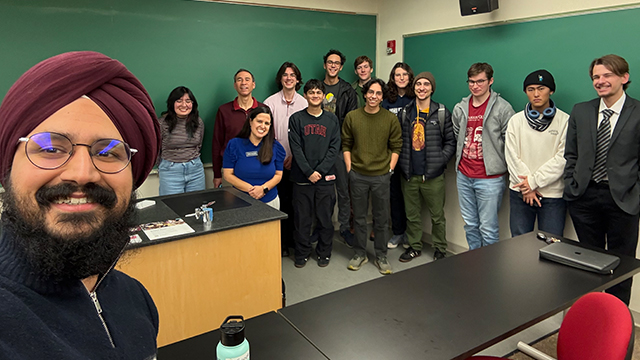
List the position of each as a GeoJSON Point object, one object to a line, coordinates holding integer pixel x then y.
{"type": "Point", "coordinates": [300, 263]}
{"type": "Point", "coordinates": [348, 237]}
{"type": "Point", "coordinates": [409, 255]}
{"type": "Point", "coordinates": [439, 254]}
{"type": "Point", "coordinates": [323, 261]}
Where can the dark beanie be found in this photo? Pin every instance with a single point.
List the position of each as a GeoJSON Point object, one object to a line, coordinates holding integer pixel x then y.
{"type": "Point", "coordinates": [540, 77]}
{"type": "Point", "coordinates": [426, 75]}
{"type": "Point", "coordinates": [58, 81]}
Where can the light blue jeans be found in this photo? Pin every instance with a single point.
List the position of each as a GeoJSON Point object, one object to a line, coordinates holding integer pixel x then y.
{"type": "Point", "coordinates": [177, 178]}
{"type": "Point", "coordinates": [480, 201]}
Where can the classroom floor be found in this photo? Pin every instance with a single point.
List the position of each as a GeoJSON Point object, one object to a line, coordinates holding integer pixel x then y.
{"type": "Point", "coordinates": [312, 281]}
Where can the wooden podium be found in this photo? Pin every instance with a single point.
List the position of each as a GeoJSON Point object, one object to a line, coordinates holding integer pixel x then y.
{"type": "Point", "coordinates": [196, 282]}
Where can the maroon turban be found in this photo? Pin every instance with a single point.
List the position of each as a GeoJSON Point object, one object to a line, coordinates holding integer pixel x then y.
{"type": "Point", "coordinates": [54, 83]}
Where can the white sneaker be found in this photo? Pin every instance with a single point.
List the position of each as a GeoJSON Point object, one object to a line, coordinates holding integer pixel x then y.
{"type": "Point", "coordinates": [395, 241]}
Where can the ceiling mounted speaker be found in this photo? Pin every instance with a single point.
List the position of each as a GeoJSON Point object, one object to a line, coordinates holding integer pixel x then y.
{"type": "Point", "coordinates": [472, 7]}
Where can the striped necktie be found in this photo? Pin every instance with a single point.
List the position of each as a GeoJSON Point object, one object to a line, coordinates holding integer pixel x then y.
{"type": "Point", "coordinates": [602, 146]}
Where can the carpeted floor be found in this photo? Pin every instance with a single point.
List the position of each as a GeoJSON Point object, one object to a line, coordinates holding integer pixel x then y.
{"type": "Point", "coordinates": [548, 346]}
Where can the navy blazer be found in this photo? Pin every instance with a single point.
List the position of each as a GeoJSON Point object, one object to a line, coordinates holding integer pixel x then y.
{"type": "Point", "coordinates": [622, 159]}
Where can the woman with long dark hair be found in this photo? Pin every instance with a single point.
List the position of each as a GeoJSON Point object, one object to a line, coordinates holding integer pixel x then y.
{"type": "Point", "coordinates": [180, 169]}
{"type": "Point", "coordinates": [253, 161]}
{"type": "Point", "coordinates": [400, 88]}
{"type": "Point", "coordinates": [399, 95]}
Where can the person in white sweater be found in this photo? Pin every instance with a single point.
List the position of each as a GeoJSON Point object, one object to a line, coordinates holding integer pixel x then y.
{"type": "Point", "coordinates": [534, 148]}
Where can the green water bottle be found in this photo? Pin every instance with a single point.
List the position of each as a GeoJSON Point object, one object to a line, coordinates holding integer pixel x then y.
{"type": "Point", "coordinates": [232, 345]}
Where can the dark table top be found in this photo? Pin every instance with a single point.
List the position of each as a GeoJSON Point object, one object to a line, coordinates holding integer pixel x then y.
{"type": "Point", "coordinates": [270, 337]}
{"type": "Point", "coordinates": [233, 209]}
{"type": "Point", "coordinates": [451, 308]}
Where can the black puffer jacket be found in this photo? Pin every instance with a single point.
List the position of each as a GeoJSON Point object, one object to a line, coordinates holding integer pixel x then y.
{"type": "Point", "coordinates": [440, 145]}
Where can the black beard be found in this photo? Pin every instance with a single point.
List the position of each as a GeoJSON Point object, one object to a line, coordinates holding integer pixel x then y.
{"type": "Point", "coordinates": [58, 258]}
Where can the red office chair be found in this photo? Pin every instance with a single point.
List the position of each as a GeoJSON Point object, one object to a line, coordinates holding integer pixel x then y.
{"type": "Point", "coordinates": [598, 326]}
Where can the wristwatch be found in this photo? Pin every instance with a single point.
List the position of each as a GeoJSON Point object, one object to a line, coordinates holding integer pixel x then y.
{"type": "Point", "coordinates": [391, 171]}
{"type": "Point", "coordinates": [266, 190]}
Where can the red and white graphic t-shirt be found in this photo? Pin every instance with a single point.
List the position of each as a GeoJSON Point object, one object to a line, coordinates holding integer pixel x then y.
{"type": "Point", "coordinates": [472, 160]}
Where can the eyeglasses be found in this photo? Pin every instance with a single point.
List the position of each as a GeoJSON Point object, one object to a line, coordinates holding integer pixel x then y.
{"type": "Point", "coordinates": [336, 63]}
{"type": "Point", "coordinates": [49, 150]}
{"type": "Point", "coordinates": [477, 82]}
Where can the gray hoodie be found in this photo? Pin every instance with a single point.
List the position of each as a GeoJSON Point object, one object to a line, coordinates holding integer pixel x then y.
{"type": "Point", "coordinates": [494, 126]}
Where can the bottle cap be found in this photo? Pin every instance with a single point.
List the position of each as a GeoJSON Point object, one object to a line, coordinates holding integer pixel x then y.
{"type": "Point", "coordinates": [231, 331]}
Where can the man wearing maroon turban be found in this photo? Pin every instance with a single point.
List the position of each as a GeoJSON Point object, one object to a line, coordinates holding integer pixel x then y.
{"type": "Point", "coordinates": [78, 133]}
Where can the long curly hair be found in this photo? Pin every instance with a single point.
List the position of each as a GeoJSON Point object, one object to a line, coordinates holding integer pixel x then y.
{"type": "Point", "coordinates": [392, 94]}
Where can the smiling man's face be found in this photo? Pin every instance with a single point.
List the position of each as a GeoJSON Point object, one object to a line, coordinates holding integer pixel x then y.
{"type": "Point", "coordinates": [607, 83]}
{"type": "Point", "coordinates": [244, 83]}
{"type": "Point", "coordinates": [61, 212]}
{"type": "Point", "coordinates": [71, 222]}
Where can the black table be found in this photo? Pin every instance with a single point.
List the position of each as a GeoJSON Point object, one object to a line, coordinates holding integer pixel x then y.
{"type": "Point", "coordinates": [270, 337]}
{"type": "Point", "coordinates": [232, 209]}
{"type": "Point", "coordinates": [448, 309]}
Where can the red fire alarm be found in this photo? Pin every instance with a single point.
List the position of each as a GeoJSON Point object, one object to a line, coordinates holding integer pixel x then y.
{"type": "Point", "coordinates": [391, 47]}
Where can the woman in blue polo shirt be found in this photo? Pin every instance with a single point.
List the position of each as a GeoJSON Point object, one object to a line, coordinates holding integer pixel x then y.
{"type": "Point", "coordinates": [252, 161]}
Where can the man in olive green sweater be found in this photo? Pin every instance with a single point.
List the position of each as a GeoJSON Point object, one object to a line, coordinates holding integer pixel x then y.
{"type": "Point", "coordinates": [371, 143]}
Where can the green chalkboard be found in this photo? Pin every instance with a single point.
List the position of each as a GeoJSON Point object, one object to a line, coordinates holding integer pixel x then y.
{"type": "Point", "coordinates": [565, 46]}
{"type": "Point", "coordinates": [167, 43]}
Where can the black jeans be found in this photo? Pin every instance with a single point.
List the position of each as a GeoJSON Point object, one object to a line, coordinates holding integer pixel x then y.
{"type": "Point", "coordinates": [310, 199]}
{"type": "Point", "coordinates": [285, 193]}
{"type": "Point", "coordinates": [398, 215]}
{"type": "Point", "coordinates": [342, 188]}
{"type": "Point", "coordinates": [599, 221]}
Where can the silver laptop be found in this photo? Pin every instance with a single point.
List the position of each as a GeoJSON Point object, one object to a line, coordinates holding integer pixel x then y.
{"type": "Point", "coordinates": [580, 258]}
